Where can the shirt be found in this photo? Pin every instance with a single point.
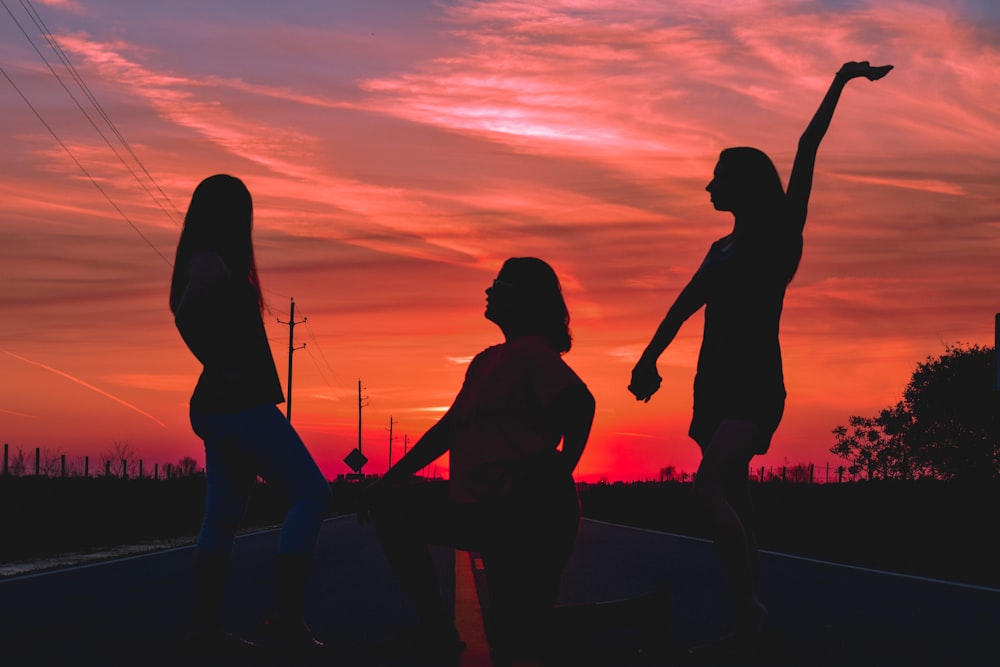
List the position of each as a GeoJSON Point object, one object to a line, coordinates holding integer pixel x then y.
{"type": "Point", "coordinates": [501, 415]}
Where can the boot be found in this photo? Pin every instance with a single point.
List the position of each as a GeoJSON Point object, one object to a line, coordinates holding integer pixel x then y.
{"type": "Point", "coordinates": [285, 629]}
{"type": "Point", "coordinates": [211, 571]}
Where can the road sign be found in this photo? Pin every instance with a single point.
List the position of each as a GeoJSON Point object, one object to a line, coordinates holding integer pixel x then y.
{"type": "Point", "coordinates": [356, 460]}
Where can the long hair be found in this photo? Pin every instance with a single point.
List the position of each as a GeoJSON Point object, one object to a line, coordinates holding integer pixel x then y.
{"type": "Point", "coordinates": [540, 301]}
{"type": "Point", "coordinates": [219, 219]}
{"type": "Point", "coordinates": [756, 184]}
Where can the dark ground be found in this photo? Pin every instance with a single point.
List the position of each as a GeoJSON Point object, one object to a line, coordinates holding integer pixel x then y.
{"type": "Point", "coordinates": [931, 528]}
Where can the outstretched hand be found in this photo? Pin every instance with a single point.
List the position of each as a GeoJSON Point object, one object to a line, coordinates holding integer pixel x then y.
{"type": "Point", "coordinates": [645, 381]}
{"type": "Point", "coordinates": [853, 70]}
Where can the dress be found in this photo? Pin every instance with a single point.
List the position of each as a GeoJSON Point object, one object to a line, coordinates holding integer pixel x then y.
{"type": "Point", "coordinates": [739, 376]}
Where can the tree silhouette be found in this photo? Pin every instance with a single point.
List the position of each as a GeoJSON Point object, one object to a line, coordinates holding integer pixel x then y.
{"type": "Point", "coordinates": [947, 425]}
{"type": "Point", "coordinates": [18, 463]}
{"type": "Point", "coordinates": [668, 474]}
{"type": "Point", "coordinates": [187, 467]}
{"type": "Point", "coordinates": [122, 460]}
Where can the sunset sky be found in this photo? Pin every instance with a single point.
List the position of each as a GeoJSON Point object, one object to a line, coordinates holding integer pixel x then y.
{"type": "Point", "coordinates": [398, 151]}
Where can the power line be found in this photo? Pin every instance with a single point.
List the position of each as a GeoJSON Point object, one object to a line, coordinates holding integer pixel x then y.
{"type": "Point", "coordinates": [312, 336]}
{"type": "Point", "coordinates": [74, 73]}
{"type": "Point", "coordinates": [78, 79]}
{"type": "Point", "coordinates": [54, 44]}
{"type": "Point", "coordinates": [83, 169]}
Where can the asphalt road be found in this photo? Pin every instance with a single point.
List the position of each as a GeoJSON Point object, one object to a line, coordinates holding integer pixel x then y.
{"type": "Point", "coordinates": [133, 611]}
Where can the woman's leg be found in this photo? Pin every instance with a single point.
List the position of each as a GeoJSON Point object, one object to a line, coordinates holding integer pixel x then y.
{"type": "Point", "coordinates": [265, 444]}
{"type": "Point", "coordinates": [525, 556]}
{"type": "Point", "coordinates": [407, 519]}
{"type": "Point", "coordinates": [738, 492]}
{"type": "Point", "coordinates": [227, 490]}
{"type": "Point", "coordinates": [726, 458]}
{"type": "Point", "coordinates": [277, 454]}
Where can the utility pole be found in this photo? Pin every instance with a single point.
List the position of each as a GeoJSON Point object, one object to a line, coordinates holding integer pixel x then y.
{"type": "Point", "coordinates": [391, 422]}
{"type": "Point", "coordinates": [361, 404]}
{"type": "Point", "coordinates": [291, 348]}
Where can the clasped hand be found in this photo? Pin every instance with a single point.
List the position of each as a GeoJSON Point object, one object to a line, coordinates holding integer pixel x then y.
{"type": "Point", "coordinates": [645, 381]}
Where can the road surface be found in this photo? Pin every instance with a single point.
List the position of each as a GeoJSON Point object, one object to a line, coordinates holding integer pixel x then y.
{"type": "Point", "coordinates": [133, 611]}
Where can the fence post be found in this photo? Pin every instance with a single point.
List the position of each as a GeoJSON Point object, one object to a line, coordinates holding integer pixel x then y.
{"type": "Point", "coordinates": [140, 468]}
{"type": "Point", "coordinates": [156, 471]}
{"type": "Point", "coordinates": [6, 451]}
{"type": "Point", "coordinates": [86, 466]}
{"type": "Point", "coordinates": [62, 466]}
{"type": "Point", "coordinates": [107, 468]}
{"type": "Point", "coordinates": [38, 461]}
{"type": "Point", "coordinates": [812, 470]}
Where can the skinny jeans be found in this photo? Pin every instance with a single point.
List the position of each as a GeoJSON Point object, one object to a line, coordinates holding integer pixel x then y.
{"type": "Point", "coordinates": [259, 442]}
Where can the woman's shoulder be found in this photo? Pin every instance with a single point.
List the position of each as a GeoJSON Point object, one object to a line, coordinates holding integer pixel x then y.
{"type": "Point", "coordinates": [533, 349]}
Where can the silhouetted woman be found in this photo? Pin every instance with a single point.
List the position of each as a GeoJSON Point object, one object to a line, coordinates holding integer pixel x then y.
{"type": "Point", "coordinates": [739, 392]}
{"type": "Point", "coordinates": [510, 495]}
{"type": "Point", "coordinates": [216, 300]}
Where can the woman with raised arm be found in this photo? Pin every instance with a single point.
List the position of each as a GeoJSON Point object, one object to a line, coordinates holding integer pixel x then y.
{"type": "Point", "coordinates": [216, 300]}
{"type": "Point", "coordinates": [739, 392]}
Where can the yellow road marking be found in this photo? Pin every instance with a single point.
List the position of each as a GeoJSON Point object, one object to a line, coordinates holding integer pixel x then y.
{"type": "Point", "coordinates": [469, 615]}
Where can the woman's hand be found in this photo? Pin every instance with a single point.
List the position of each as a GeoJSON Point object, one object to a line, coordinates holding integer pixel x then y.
{"type": "Point", "coordinates": [371, 496]}
{"type": "Point", "coordinates": [854, 70]}
{"type": "Point", "coordinates": [645, 381]}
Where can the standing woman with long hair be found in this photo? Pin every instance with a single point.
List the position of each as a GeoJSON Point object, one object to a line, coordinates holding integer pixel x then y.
{"type": "Point", "coordinates": [739, 392]}
{"type": "Point", "coordinates": [216, 300]}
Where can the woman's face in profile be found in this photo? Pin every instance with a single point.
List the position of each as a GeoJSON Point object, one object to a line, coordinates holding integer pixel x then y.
{"type": "Point", "coordinates": [500, 299]}
{"type": "Point", "coordinates": [721, 188]}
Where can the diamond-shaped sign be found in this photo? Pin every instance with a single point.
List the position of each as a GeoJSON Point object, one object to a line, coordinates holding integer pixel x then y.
{"type": "Point", "coordinates": [356, 460]}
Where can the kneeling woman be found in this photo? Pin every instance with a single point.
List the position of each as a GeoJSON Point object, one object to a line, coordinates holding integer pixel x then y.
{"type": "Point", "coordinates": [511, 494]}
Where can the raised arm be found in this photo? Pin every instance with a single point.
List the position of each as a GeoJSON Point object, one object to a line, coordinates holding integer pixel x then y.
{"type": "Point", "coordinates": [800, 181]}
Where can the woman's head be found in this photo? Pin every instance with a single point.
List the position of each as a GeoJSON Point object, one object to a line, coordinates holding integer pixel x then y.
{"type": "Point", "coordinates": [746, 182]}
{"type": "Point", "coordinates": [220, 216]}
{"type": "Point", "coordinates": [219, 219]}
{"type": "Point", "coordinates": [526, 299]}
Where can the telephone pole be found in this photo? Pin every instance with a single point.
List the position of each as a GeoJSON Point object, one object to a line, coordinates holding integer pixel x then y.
{"type": "Point", "coordinates": [391, 422]}
{"type": "Point", "coordinates": [361, 404]}
{"type": "Point", "coordinates": [291, 348]}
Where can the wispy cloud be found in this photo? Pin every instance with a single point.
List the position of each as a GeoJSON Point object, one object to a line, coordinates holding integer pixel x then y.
{"type": "Point", "coordinates": [397, 157]}
{"type": "Point", "coordinates": [18, 414]}
{"type": "Point", "coordinates": [87, 385]}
